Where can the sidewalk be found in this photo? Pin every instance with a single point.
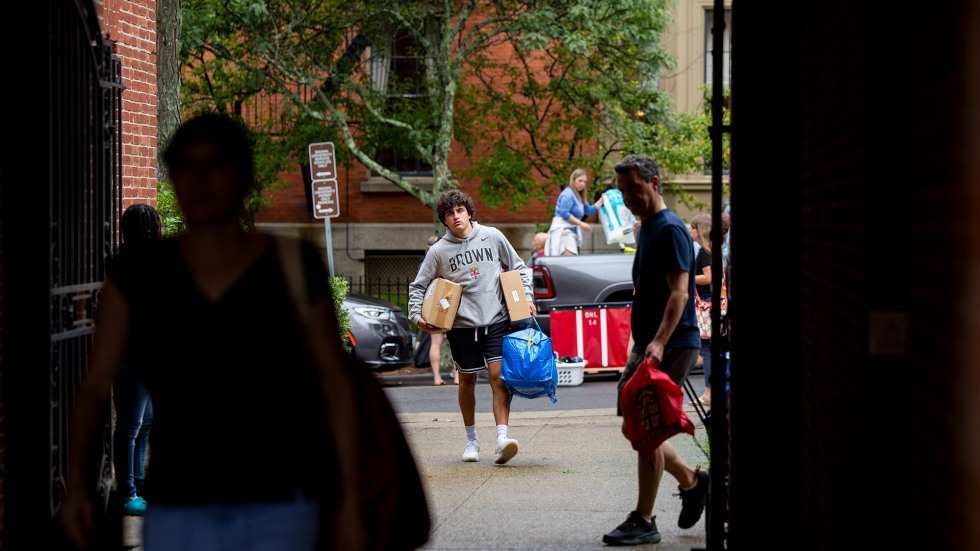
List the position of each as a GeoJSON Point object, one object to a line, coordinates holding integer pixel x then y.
{"type": "Point", "coordinates": [573, 480]}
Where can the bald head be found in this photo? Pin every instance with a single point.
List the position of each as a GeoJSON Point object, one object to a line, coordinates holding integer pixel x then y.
{"type": "Point", "coordinates": [537, 244]}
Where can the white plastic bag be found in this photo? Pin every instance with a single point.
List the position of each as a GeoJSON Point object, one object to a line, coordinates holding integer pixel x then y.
{"type": "Point", "coordinates": [617, 220]}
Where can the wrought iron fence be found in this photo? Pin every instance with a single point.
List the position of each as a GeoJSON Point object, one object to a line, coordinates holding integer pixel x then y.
{"type": "Point", "coordinates": [392, 289]}
{"type": "Point", "coordinates": [85, 179]}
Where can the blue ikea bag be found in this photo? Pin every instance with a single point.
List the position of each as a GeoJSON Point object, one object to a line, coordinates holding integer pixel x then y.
{"type": "Point", "coordinates": [528, 368]}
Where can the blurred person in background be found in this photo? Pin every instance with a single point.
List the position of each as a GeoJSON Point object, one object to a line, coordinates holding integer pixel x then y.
{"type": "Point", "coordinates": [700, 234]}
{"type": "Point", "coordinates": [537, 247]}
{"type": "Point", "coordinates": [140, 226]}
{"type": "Point", "coordinates": [433, 340]}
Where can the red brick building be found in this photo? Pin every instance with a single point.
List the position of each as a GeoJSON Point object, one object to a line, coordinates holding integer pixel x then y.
{"type": "Point", "coordinates": [382, 230]}
{"type": "Point", "coordinates": [853, 403]}
{"type": "Point", "coordinates": [131, 26]}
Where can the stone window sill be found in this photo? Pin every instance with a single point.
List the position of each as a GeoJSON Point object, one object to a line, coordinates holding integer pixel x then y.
{"type": "Point", "coordinates": [377, 184]}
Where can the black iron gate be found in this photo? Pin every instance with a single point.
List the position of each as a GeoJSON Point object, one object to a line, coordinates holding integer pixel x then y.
{"type": "Point", "coordinates": [60, 200]}
{"type": "Point", "coordinates": [84, 179]}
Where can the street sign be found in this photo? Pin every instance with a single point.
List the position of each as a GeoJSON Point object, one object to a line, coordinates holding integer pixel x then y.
{"type": "Point", "coordinates": [323, 162]}
{"type": "Point", "coordinates": [326, 202]}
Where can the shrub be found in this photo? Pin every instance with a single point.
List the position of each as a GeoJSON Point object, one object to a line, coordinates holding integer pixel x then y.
{"type": "Point", "coordinates": [340, 287]}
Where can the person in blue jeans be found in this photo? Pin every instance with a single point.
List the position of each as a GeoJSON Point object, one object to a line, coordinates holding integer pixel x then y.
{"type": "Point", "coordinates": [140, 225]}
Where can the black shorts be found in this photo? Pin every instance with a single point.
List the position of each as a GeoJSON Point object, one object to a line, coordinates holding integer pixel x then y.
{"type": "Point", "coordinates": [475, 347]}
{"type": "Point", "coordinates": [677, 364]}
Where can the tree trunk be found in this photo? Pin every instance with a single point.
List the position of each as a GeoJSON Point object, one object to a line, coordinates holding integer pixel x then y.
{"type": "Point", "coordinates": [168, 75]}
{"type": "Point", "coordinates": [442, 176]}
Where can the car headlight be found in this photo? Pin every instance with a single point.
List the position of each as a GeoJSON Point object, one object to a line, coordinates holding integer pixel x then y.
{"type": "Point", "coordinates": [374, 313]}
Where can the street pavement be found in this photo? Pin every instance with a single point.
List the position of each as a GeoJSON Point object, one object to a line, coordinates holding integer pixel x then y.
{"type": "Point", "coordinates": [573, 480]}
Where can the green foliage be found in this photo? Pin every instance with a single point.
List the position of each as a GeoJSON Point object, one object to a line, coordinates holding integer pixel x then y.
{"type": "Point", "coordinates": [298, 72]}
{"type": "Point", "coordinates": [706, 448]}
{"type": "Point", "coordinates": [505, 174]}
{"type": "Point", "coordinates": [579, 91]}
{"type": "Point", "coordinates": [339, 288]}
{"type": "Point", "coordinates": [170, 215]}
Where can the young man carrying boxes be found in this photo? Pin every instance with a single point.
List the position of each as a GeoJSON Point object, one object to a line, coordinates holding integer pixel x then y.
{"type": "Point", "coordinates": [473, 257]}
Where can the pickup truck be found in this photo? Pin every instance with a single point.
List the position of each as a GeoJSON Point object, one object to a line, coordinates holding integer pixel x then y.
{"type": "Point", "coordinates": [581, 279]}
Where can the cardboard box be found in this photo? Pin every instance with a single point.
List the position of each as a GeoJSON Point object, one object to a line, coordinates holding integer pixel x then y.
{"type": "Point", "coordinates": [514, 295]}
{"type": "Point", "coordinates": [441, 302]}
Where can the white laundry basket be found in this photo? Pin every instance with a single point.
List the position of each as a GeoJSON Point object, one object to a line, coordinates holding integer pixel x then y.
{"type": "Point", "coordinates": [570, 374]}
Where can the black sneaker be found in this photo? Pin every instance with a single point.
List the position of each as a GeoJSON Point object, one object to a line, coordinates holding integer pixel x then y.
{"type": "Point", "coordinates": [634, 531]}
{"type": "Point", "coordinates": [692, 501]}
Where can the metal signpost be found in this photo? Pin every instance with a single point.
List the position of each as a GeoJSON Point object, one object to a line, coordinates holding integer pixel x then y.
{"type": "Point", "coordinates": [326, 199]}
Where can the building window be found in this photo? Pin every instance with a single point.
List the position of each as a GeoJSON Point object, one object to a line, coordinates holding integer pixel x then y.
{"type": "Point", "coordinates": [709, 24]}
{"type": "Point", "coordinates": [398, 71]}
{"type": "Point", "coordinates": [407, 65]}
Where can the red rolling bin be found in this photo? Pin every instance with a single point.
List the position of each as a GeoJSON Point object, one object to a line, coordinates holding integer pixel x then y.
{"type": "Point", "coordinates": [598, 333]}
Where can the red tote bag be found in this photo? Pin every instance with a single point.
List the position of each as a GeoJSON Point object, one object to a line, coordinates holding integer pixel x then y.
{"type": "Point", "coordinates": [653, 409]}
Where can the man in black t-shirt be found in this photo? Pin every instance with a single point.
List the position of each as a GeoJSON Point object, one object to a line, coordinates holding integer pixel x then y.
{"type": "Point", "coordinates": [664, 329]}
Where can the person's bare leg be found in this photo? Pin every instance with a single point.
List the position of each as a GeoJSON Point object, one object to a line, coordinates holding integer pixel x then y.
{"type": "Point", "coordinates": [649, 474]}
{"type": "Point", "coordinates": [435, 357]}
{"type": "Point", "coordinates": [466, 397]}
{"type": "Point", "coordinates": [501, 396]}
{"type": "Point", "coordinates": [506, 446]}
{"type": "Point", "coordinates": [674, 465]}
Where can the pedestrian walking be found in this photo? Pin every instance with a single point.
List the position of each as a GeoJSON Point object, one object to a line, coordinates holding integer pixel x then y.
{"type": "Point", "coordinates": [473, 256]}
{"type": "Point", "coordinates": [252, 419]}
{"type": "Point", "coordinates": [664, 329]}
{"type": "Point", "coordinates": [432, 341]}
{"type": "Point", "coordinates": [140, 226]}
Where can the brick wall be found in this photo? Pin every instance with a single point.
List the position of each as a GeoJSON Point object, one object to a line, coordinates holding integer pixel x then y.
{"type": "Point", "coordinates": [940, 165]}
{"type": "Point", "coordinates": [3, 412]}
{"type": "Point", "coordinates": [878, 241]}
{"type": "Point", "coordinates": [132, 26]}
{"type": "Point", "coordinates": [876, 187]}
{"type": "Point", "coordinates": [833, 261]}
{"type": "Point", "coordinates": [967, 408]}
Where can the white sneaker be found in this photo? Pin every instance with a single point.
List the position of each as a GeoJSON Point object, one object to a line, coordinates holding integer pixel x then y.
{"type": "Point", "coordinates": [472, 451]}
{"type": "Point", "coordinates": [506, 450]}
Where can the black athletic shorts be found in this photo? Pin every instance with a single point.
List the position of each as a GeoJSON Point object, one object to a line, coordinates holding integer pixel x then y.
{"type": "Point", "coordinates": [677, 364]}
{"type": "Point", "coordinates": [474, 347]}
